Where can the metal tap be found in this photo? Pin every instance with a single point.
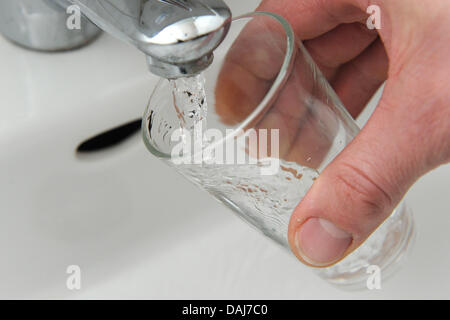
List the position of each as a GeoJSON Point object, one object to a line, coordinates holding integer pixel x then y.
{"type": "Point", "coordinates": [178, 37]}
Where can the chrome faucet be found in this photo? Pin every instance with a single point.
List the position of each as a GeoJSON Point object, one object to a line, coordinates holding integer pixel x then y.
{"type": "Point", "coordinates": [178, 37]}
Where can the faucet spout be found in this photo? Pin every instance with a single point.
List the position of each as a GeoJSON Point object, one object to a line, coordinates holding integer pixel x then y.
{"type": "Point", "coordinates": [177, 36]}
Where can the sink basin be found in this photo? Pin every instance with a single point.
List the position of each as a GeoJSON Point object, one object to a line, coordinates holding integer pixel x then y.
{"type": "Point", "coordinates": [135, 227]}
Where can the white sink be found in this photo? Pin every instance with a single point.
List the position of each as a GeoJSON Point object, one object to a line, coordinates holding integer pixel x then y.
{"type": "Point", "coordinates": [135, 227]}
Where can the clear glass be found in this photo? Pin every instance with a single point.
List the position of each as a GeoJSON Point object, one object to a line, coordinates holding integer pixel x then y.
{"type": "Point", "coordinates": [273, 124]}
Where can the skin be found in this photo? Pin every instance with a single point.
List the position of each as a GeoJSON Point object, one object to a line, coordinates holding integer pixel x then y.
{"type": "Point", "coordinates": [407, 135]}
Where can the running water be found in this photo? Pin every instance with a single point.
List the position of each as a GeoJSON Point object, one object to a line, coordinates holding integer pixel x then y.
{"type": "Point", "coordinates": [189, 100]}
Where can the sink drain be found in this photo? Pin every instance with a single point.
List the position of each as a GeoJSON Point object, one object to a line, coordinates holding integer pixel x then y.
{"type": "Point", "coordinates": [110, 138]}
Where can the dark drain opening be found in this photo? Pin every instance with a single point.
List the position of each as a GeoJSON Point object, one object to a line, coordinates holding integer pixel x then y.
{"type": "Point", "coordinates": [110, 138]}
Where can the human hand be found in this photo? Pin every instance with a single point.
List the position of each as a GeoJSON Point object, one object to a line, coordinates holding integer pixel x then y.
{"type": "Point", "coordinates": [408, 134]}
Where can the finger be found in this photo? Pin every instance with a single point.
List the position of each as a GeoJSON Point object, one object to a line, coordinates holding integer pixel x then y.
{"type": "Point", "coordinates": [288, 114]}
{"type": "Point", "coordinates": [250, 68]}
{"type": "Point", "coordinates": [310, 19]}
{"type": "Point", "coordinates": [238, 93]}
{"type": "Point", "coordinates": [300, 112]}
{"type": "Point", "coordinates": [340, 45]}
{"type": "Point", "coordinates": [363, 185]}
{"type": "Point", "coordinates": [357, 81]}
{"type": "Point", "coordinates": [303, 142]}
{"type": "Point", "coordinates": [259, 52]}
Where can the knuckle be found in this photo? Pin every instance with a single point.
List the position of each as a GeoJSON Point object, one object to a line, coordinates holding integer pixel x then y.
{"type": "Point", "coordinates": [357, 185]}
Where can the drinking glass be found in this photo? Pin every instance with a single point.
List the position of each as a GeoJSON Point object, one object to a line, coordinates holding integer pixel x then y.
{"type": "Point", "coordinates": [266, 126]}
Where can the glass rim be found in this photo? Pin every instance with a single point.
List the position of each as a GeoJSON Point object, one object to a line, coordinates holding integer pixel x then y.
{"type": "Point", "coordinates": [279, 81]}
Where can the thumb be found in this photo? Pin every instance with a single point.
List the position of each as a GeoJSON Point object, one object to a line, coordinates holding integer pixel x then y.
{"type": "Point", "coordinates": [362, 186]}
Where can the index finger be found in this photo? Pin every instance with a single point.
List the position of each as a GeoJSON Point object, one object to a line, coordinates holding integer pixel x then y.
{"type": "Point", "coordinates": [255, 58]}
